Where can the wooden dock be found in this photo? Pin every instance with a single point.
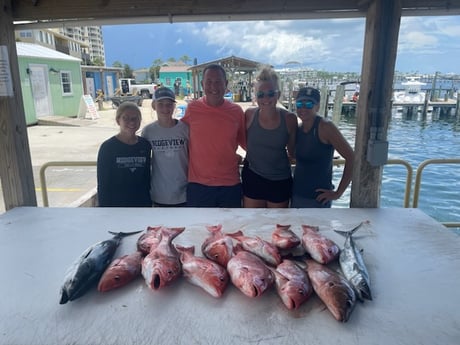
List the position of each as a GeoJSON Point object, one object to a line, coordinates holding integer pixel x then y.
{"type": "Point", "coordinates": [443, 108]}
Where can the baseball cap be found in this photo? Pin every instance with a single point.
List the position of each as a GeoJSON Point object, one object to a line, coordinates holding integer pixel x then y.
{"type": "Point", "coordinates": [164, 93]}
{"type": "Point", "coordinates": [308, 93]}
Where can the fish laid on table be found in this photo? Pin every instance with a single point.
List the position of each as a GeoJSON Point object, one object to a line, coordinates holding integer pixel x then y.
{"type": "Point", "coordinates": [292, 284]}
{"type": "Point", "coordinates": [162, 265]}
{"type": "Point", "coordinates": [121, 271]}
{"type": "Point", "coordinates": [149, 239]}
{"type": "Point", "coordinates": [319, 247]}
{"type": "Point", "coordinates": [217, 246]}
{"type": "Point", "coordinates": [263, 249]}
{"type": "Point", "coordinates": [249, 273]}
{"type": "Point", "coordinates": [334, 290]}
{"type": "Point", "coordinates": [202, 272]}
{"type": "Point", "coordinates": [284, 238]}
{"type": "Point", "coordinates": [89, 267]}
{"type": "Point", "coordinates": [353, 267]}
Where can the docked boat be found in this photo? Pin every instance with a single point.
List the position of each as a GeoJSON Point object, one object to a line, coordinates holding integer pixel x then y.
{"type": "Point", "coordinates": [412, 92]}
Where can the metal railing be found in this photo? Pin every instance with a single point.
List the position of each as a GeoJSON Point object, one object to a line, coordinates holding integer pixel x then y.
{"type": "Point", "coordinates": [407, 189]}
{"type": "Point", "coordinates": [418, 182]}
{"type": "Point", "coordinates": [337, 162]}
{"type": "Point", "coordinates": [43, 168]}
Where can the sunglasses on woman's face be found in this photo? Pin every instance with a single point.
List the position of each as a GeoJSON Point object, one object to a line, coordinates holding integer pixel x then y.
{"type": "Point", "coordinates": [306, 105]}
{"type": "Point", "coordinates": [269, 94]}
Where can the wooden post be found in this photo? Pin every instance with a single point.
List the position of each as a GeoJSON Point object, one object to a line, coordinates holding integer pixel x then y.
{"type": "Point", "coordinates": [425, 105]}
{"type": "Point", "coordinates": [338, 102]}
{"type": "Point", "coordinates": [324, 101]}
{"type": "Point", "coordinates": [457, 108]}
{"type": "Point", "coordinates": [16, 165]}
{"type": "Point", "coordinates": [374, 106]}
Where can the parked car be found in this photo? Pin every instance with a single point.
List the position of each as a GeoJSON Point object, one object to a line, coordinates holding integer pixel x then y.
{"type": "Point", "coordinates": [129, 86]}
{"type": "Point", "coordinates": [117, 100]}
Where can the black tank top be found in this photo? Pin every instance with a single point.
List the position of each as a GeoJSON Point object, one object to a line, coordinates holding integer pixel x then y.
{"type": "Point", "coordinates": [313, 162]}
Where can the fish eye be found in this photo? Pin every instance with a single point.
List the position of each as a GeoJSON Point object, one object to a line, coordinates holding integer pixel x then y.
{"type": "Point", "coordinates": [117, 278]}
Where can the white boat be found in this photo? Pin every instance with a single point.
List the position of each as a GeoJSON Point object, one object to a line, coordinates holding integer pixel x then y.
{"type": "Point", "coordinates": [412, 91]}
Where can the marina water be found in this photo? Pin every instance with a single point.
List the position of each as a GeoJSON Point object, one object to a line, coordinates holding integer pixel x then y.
{"type": "Point", "coordinates": [414, 141]}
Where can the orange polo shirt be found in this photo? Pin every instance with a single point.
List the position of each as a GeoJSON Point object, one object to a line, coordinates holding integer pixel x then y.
{"type": "Point", "coordinates": [215, 133]}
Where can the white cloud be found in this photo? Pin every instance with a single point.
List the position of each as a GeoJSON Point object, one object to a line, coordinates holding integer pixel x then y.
{"type": "Point", "coordinates": [415, 40]}
{"type": "Point", "coordinates": [277, 42]}
{"type": "Point", "coordinates": [332, 45]}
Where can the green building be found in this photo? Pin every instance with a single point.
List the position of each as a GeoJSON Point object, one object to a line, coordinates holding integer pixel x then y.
{"type": "Point", "coordinates": [178, 77]}
{"type": "Point", "coordinates": [51, 82]}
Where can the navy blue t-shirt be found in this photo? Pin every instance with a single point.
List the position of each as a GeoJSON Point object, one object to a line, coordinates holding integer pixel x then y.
{"type": "Point", "coordinates": [123, 174]}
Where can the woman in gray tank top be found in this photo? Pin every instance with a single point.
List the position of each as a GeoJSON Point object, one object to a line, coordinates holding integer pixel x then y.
{"type": "Point", "coordinates": [266, 175]}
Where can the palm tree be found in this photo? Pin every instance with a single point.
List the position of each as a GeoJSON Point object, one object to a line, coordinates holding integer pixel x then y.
{"type": "Point", "coordinates": [154, 70]}
{"type": "Point", "coordinates": [127, 71]}
{"type": "Point", "coordinates": [185, 59]}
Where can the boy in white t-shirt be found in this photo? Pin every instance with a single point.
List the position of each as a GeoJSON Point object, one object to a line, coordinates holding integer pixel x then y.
{"type": "Point", "coordinates": [169, 139]}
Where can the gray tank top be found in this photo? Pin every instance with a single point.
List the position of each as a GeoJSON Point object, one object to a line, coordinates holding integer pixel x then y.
{"type": "Point", "coordinates": [266, 149]}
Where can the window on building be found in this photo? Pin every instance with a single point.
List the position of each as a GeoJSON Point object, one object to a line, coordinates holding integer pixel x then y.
{"type": "Point", "coordinates": [167, 81]}
{"type": "Point", "coordinates": [25, 34]}
{"type": "Point", "coordinates": [66, 83]}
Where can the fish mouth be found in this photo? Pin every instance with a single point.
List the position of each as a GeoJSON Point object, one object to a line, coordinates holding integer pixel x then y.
{"type": "Point", "coordinates": [64, 297]}
{"type": "Point", "coordinates": [156, 281]}
{"type": "Point", "coordinates": [255, 291]}
{"type": "Point", "coordinates": [366, 293]}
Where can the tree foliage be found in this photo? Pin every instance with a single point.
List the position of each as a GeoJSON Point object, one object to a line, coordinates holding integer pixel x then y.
{"type": "Point", "coordinates": [97, 61]}
{"type": "Point", "coordinates": [127, 71]}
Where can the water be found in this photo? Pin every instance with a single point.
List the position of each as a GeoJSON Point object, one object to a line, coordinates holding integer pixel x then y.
{"type": "Point", "coordinates": [416, 140]}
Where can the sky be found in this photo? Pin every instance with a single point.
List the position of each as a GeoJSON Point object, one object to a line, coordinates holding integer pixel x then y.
{"type": "Point", "coordinates": [426, 44]}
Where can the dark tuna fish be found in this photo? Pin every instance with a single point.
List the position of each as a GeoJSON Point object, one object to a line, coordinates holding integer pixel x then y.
{"type": "Point", "coordinates": [89, 267]}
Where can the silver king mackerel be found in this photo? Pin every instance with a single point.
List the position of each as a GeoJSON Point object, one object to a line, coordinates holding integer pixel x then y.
{"type": "Point", "coordinates": [352, 265]}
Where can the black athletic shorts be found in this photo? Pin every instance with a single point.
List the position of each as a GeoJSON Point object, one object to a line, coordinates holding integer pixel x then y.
{"type": "Point", "coordinates": [259, 188]}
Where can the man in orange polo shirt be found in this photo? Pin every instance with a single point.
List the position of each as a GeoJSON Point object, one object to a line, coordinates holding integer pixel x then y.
{"type": "Point", "coordinates": [216, 129]}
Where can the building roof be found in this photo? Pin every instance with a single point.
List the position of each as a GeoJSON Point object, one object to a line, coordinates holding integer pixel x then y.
{"type": "Point", "coordinates": [231, 62]}
{"type": "Point", "coordinates": [36, 50]}
{"type": "Point", "coordinates": [174, 68]}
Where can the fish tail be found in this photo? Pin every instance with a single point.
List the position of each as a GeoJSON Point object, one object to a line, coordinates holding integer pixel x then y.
{"type": "Point", "coordinates": [173, 232]}
{"type": "Point", "coordinates": [347, 233]}
{"type": "Point", "coordinates": [183, 249]}
{"type": "Point", "coordinates": [214, 228]}
{"type": "Point", "coordinates": [124, 234]}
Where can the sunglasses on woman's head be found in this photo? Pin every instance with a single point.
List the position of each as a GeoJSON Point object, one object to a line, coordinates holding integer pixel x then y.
{"type": "Point", "coordinates": [306, 105]}
{"type": "Point", "coordinates": [269, 94]}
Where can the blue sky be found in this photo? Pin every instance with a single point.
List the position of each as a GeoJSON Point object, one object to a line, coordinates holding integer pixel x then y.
{"type": "Point", "coordinates": [426, 44]}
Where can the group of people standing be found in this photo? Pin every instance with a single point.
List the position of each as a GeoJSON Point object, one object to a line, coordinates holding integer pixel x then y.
{"type": "Point", "coordinates": [194, 161]}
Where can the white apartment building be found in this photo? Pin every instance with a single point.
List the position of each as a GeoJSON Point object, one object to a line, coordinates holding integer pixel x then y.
{"type": "Point", "coordinates": [92, 36]}
{"type": "Point", "coordinates": [84, 42]}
